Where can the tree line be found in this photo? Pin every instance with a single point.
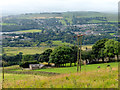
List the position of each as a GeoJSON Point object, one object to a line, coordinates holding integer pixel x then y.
{"type": "Point", "coordinates": [35, 39]}
{"type": "Point", "coordinates": [104, 49]}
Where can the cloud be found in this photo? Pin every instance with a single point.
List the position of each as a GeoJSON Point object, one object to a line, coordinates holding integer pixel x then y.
{"type": "Point", "coordinates": [58, 5]}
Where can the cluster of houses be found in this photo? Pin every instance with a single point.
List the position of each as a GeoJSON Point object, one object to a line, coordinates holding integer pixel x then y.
{"type": "Point", "coordinates": [89, 32]}
{"type": "Point", "coordinates": [15, 37]}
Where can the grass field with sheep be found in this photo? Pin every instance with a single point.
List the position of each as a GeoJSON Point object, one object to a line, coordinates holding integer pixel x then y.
{"type": "Point", "coordinates": [66, 77]}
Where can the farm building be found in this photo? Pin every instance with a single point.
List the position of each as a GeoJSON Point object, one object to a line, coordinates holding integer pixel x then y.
{"type": "Point", "coordinates": [36, 66]}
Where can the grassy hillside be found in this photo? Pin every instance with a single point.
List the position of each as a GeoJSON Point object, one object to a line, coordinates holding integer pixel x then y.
{"type": "Point", "coordinates": [60, 43]}
{"type": "Point", "coordinates": [110, 16]}
{"type": "Point", "coordinates": [37, 15]}
{"type": "Point", "coordinates": [33, 50]}
{"type": "Point", "coordinates": [67, 15]}
{"type": "Point", "coordinates": [38, 20]}
{"type": "Point", "coordinates": [73, 69]}
{"type": "Point", "coordinates": [93, 78]}
{"type": "Point", "coordinates": [25, 50]}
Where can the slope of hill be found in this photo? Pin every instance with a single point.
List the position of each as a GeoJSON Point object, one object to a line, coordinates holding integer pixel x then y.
{"type": "Point", "coordinates": [58, 27]}
{"type": "Point", "coordinates": [34, 20]}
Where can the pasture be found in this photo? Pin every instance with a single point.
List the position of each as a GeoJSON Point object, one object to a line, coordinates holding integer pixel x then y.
{"type": "Point", "coordinates": [31, 31]}
{"type": "Point", "coordinates": [73, 69]}
{"type": "Point", "coordinates": [10, 51]}
{"type": "Point", "coordinates": [112, 33]}
{"type": "Point", "coordinates": [7, 24]}
{"type": "Point", "coordinates": [90, 77]}
{"type": "Point", "coordinates": [25, 50]}
{"type": "Point", "coordinates": [58, 43]}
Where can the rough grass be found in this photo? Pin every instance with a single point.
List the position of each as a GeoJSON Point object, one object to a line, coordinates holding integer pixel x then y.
{"type": "Point", "coordinates": [90, 77]}
{"type": "Point", "coordinates": [12, 67]}
{"type": "Point", "coordinates": [93, 79]}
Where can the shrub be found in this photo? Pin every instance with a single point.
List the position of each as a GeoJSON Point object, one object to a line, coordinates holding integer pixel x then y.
{"type": "Point", "coordinates": [25, 64]}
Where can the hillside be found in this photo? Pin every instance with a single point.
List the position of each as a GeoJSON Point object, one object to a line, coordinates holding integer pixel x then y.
{"type": "Point", "coordinates": [41, 29]}
{"type": "Point", "coordinates": [94, 78]}
{"type": "Point", "coordinates": [63, 18]}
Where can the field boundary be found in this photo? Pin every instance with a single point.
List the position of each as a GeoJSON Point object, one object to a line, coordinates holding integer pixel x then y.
{"type": "Point", "coordinates": [33, 72]}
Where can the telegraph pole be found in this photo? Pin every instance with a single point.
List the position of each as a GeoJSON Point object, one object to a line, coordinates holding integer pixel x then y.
{"type": "Point", "coordinates": [78, 55]}
{"type": "Point", "coordinates": [80, 50]}
{"type": "Point", "coordinates": [2, 64]}
{"type": "Point", "coordinates": [75, 45]}
{"type": "Point", "coordinates": [79, 40]}
{"type": "Point", "coordinates": [3, 70]}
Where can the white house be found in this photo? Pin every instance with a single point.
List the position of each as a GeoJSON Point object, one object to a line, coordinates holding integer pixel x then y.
{"type": "Point", "coordinates": [36, 66]}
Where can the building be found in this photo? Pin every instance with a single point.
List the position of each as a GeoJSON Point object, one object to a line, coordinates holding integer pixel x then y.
{"type": "Point", "coordinates": [36, 66]}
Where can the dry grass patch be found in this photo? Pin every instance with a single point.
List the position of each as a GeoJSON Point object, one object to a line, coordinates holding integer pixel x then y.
{"type": "Point", "coordinates": [91, 79]}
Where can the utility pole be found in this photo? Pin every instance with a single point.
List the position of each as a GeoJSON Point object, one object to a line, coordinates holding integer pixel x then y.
{"type": "Point", "coordinates": [80, 50]}
{"type": "Point", "coordinates": [79, 40]}
{"type": "Point", "coordinates": [3, 64]}
{"type": "Point", "coordinates": [3, 71]}
{"type": "Point", "coordinates": [78, 55]}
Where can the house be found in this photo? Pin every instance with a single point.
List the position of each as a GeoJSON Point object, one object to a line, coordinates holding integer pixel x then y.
{"type": "Point", "coordinates": [36, 66]}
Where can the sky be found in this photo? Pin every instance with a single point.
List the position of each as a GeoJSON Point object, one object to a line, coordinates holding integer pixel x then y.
{"type": "Point", "coordinates": [37, 6]}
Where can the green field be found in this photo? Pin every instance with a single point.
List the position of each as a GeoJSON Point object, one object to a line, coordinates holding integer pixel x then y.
{"type": "Point", "coordinates": [56, 43]}
{"type": "Point", "coordinates": [73, 69]}
{"type": "Point", "coordinates": [33, 50]}
{"type": "Point", "coordinates": [32, 30]}
{"type": "Point", "coordinates": [90, 77]}
{"type": "Point", "coordinates": [112, 33]}
{"type": "Point", "coordinates": [7, 24]}
{"type": "Point", "coordinates": [96, 21]}
{"type": "Point", "coordinates": [61, 43]}
{"type": "Point", "coordinates": [24, 50]}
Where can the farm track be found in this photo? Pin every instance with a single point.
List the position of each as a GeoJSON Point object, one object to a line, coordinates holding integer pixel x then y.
{"type": "Point", "coordinates": [33, 72]}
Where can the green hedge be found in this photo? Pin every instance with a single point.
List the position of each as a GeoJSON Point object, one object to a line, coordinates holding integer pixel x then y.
{"type": "Point", "coordinates": [26, 63]}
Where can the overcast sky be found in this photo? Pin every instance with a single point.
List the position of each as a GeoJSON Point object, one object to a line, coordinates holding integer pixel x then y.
{"type": "Point", "coordinates": [36, 6]}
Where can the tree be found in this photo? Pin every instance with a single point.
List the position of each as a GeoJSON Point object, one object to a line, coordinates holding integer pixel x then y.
{"type": "Point", "coordinates": [98, 48]}
{"type": "Point", "coordinates": [61, 55]}
{"type": "Point", "coordinates": [88, 56]}
{"type": "Point", "coordinates": [36, 56]}
{"type": "Point", "coordinates": [44, 57]}
{"type": "Point", "coordinates": [111, 48]}
{"type": "Point", "coordinates": [20, 55]}
{"type": "Point", "coordinates": [117, 49]}
{"type": "Point", "coordinates": [102, 54]}
{"type": "Point", "coordinates": [27, 58]}
{"type": "Point", "coordinates": [74, 54]}
{"type": "Point", "coordinates": [85, 55]}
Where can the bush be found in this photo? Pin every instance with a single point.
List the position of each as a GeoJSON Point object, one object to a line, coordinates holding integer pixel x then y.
{"type": "Point", "coordinates": [25, 64]}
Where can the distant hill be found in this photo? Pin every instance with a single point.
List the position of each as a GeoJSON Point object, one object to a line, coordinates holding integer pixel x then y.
{"type": "Point", "coordinates": [30, 21]}
{"type": "Point", "coordinates": [110, 16]}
